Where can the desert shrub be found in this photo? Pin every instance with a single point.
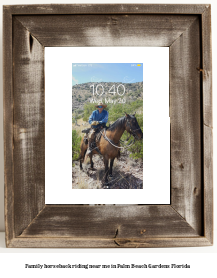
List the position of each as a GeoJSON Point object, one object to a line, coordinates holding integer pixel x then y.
{"type": "Point", "coordinates": [137, 149]}
{"type": "Point", "coordinates": [88, 109]}
{"type": "Point", "coordinates": [76, 140]}
{"type": "Point", "coordinates": [118, 110]}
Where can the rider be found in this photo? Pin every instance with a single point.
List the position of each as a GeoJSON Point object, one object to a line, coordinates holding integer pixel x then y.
{"type": "Point", "coordinates": [98, 120]}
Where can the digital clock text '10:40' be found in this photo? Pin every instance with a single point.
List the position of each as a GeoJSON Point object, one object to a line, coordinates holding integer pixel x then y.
{"type": "Point", "coordinates": [110, 91]}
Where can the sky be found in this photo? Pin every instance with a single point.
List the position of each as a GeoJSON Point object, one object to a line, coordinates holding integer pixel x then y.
{"type": "Point", "coordinates": [107, 72]}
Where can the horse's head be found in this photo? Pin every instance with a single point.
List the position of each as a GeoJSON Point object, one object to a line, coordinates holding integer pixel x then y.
{"type": "Point", "coordinates": [133, 127]}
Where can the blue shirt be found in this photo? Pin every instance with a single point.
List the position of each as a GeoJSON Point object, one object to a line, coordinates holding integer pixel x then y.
{"type": "Point", "coordinates": [102, 117]}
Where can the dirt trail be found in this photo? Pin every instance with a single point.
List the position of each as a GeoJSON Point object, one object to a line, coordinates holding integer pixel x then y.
{"type": "Point", "coordinates": [127, 174]}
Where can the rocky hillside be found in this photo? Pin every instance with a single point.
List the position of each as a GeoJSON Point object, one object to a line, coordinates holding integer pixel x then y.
{"type": "Point", "coordinates": [82, 93]}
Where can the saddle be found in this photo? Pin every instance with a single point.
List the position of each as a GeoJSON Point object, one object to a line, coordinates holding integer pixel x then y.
{"type": "Point", "coordinates": [97, 134]}
{"type": "Point", "coordinates": [86, 130]}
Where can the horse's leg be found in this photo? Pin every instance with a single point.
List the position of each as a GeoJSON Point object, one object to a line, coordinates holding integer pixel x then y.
{"type": "Point", "coordinates": [111, 165]}
{"type": "Point", "coordinates": [82, 156]}
{"type": "Point", "coordinates": [81, 153]}
{"type": "Point", "coordinates": [106, 169]}
{"type": "Point", "coordinates": [91, 160]}
{"type": "Point", "coordinates": [81, 164]}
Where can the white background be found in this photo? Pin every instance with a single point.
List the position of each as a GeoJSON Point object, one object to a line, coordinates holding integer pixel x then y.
{"type": "Point", "coordinates": [58, 125]}
{"type": "Point", "coordinates": [203, 259]}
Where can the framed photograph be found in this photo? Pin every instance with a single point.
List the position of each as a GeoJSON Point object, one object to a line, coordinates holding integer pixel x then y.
{"type": "Point", "coordinates": [108, 125]}
{"type": "Point", "coordinates": [119, 86]}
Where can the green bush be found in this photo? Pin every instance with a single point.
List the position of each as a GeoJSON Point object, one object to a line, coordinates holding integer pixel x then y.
{"type": "Point", "coordinates": [76, 140]}
{"type": "Point", "coordinates": [137, 148]}
{"type": "Point", "coordinates": [88, 109]}
{"type": "Point", "coordinates": [118, 110]}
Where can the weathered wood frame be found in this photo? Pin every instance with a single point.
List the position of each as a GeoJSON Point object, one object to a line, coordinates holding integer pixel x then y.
{"type": "Point", "coordinates": [188, 220]}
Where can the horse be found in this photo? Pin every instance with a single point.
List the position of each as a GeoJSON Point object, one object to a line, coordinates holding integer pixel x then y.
{"type": "Point", "coordinates": [109, 143]}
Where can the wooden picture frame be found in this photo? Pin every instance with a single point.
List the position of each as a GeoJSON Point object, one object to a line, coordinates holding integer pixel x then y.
{"type": "Point", "coordinates": [186, 30]}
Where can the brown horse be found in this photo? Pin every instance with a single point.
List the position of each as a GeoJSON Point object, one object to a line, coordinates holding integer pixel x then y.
{"type": "Point", "coordinates": [109, 143]}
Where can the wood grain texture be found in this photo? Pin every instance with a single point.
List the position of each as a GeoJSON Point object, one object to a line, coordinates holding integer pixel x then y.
{"type": "Point", "coordinates": [107, 30]}
{"type": "Point", "coordinates": [109, 222]}
{"type": "Point", "coordinates": [107, 9]}
{"type": "Point", "coordinates": [34, 242]}
{"type": "Point", "coordinates": [208, 183]}
{"type": "Point", "coordinates": [29, 132]}
{"type": "Point", "coordinates": [207, 67]}
{"type": "Point", "coordinates": [185, 113]}
{"type": "Point", "coordinates": [8, 125]}
{"type": "Point", "coordinates": [207, 122]}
